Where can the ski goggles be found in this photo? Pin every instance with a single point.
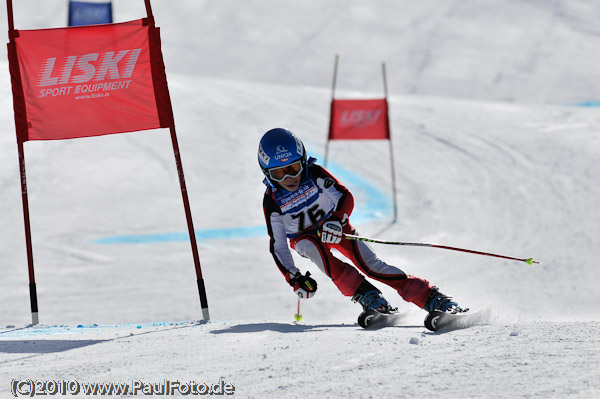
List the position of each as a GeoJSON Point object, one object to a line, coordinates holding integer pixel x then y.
{"type": "Point", "coordinates": [291, 170]}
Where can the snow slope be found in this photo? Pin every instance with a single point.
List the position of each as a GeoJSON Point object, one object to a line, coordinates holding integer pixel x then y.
{"type": "Point", "coordinates": [490, 155]}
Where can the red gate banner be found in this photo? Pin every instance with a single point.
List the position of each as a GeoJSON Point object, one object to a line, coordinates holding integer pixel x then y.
{"type": "Point", "coordinates": [359, 120]}
{"type": "Point", "coordinates": [88, 81]}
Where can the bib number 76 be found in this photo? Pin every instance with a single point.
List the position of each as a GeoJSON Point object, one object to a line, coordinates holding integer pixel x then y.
{"type": "Point", "coordinates": [314, 215]}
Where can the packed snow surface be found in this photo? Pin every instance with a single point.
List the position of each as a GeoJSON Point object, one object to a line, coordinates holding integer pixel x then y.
{"type": "Point", "coordinates": [493, 152]}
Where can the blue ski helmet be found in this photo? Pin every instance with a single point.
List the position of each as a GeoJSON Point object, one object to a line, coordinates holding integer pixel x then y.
{"type": "Point", "coordinates": [280, 147]}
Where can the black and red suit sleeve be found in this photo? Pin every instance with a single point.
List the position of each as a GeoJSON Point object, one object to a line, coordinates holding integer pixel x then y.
{"type": "Point", "coordinates": [278, 243]}
{"type": "Point", "coordinates": [332, 186]}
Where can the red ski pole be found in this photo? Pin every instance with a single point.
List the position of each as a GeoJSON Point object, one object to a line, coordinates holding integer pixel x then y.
{"type": "Point", "coordinates": [298, 315]}
{"type": "Point", "coordinates": [416, 244]}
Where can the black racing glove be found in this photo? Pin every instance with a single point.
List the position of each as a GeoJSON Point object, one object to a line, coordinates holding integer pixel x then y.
{"type": "Point", "coordinates": [304, 286]}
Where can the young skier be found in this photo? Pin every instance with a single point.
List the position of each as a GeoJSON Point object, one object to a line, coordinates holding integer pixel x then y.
{"type": "Point", "coordinates": [304, 203]}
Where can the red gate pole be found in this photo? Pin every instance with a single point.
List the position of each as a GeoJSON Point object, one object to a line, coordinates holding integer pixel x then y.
{"type": "Point", "coordinates": [188, 214]}
{"type": "Point", "coordinates": [17, 85]}
{"type": "Point", "coordinates": [148, 8]}
{"type": "Point", "coordinates": [335, 68]}
{"type": "Point", "coordinates": [186, 206]}
{"type": "Point", "coordinates": [393, 167]}
{"type": "Point", "coordinates": [32, 287]}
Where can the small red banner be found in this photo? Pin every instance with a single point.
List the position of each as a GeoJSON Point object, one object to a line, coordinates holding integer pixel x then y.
{"type": "Point", "coordinates": [88, 81]}
{"type": "Point", "coordinates": [359, 120]}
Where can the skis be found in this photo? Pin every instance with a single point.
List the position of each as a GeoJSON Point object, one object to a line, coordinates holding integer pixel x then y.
{"type": "Point", "coordinates": [371, 319]}
{"type": "Point", "coordinates": [436, 321]}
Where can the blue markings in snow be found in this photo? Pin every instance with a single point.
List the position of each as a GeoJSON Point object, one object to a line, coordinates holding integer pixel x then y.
{"type": "Point", "coordinates": [370, 203]}
{"type": "Point", "coordinates": [41, 330]}
{"type": "Point", "coordinates": [222, 233]}
{"type": "Point", "coordinates": [595, 103]}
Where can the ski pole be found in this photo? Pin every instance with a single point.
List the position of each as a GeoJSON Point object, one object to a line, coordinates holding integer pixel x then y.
{"type": "Point", "coordinates": [416, 244]}
{"type": "Point", "coordinates": [298, 315]}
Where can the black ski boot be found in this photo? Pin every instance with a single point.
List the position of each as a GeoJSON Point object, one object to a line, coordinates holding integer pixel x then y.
{"type": "Point", "coordinates": [442, 303]}
{"type": "Point", "coordinates": [371, 298]}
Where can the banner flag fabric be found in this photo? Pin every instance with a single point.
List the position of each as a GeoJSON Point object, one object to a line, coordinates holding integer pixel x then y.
{"type": "Point", "coordinates": [92, 80]}
{"type": "Point", "coordinates": [88, 81]}
{"type": "Point", "coordinates": [86, 13]}
{"type": "Point", "coordinates": [359, 120]}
